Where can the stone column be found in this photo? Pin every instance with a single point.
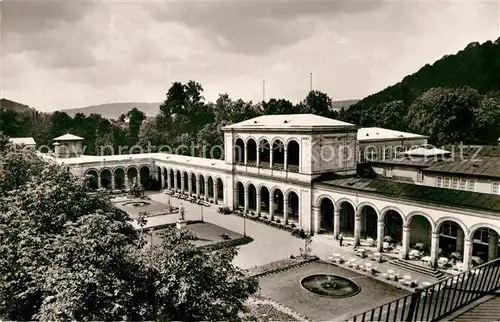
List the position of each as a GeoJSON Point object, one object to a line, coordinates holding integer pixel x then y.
{"type": "Point", "coordinates": [245, 157]}
{"type": "Point", "coordinates": [317, 219]}
{"type": "Point", "coordinates": [162, 178]}
{"type": "Point", "coordinates": [271, 206]}
{"type": "Point", "coordinates": [190, 185]}
{"type": "Point", "coordinates": [198, 187]}
{"type": "Point", "coordinates": [99, 184]}
{"type": "Point", "coordinates": [357, 228]}
{"type": "Point", "coordinates": [406, 242]}
{"type": "Point", "coordinates": [175, 181]}
{"type": "Point", "coordinates": [336, 223]}
{"type": "Point", "coordinates": [206, 189]}
{"type": "Point", "coordinates": [182, 183]}
{"type": "Point", "coordinates": [258, 154]}
{"type": "Point", "coordinates": [492, 245]}
{"type": "Point", "coordinates": [285, 210]}
{"type": "Point", "coordinates": [460, 240]}
{"type": "Point", "coordinates": [468, 244]}
{"type": "Point", "coordinates": [246, 199]}
{"type": "Point", "coordinates": [168, 180]}
{"type": "Point", "coordinates": [236, 199]}
{"type": "Point", "coordinates": [112, 181]}
{"type": "Point", "coordinates": [434, 248]}
{"type": "Point", "coordinates": [216, 192]}
{"type": "Point", "coordinates": [271, 155]}
{"type": "Point", "coordinates": [285, 159]}
{"type": "Point", "coordinates": [380, 235]}
{"type": "Point", "coordinates": [258, 202]}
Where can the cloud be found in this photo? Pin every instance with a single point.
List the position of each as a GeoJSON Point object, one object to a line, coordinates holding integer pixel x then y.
{"type": "Point", "coordinates": [257, 27]}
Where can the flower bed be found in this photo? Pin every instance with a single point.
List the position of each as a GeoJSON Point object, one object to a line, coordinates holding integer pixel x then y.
{"type": "Point", "coordinates": [279, 266]}
{"type": "Point", "coordinates": [297, 232]}
{"type": "Point", "coordinates": [263, 309]}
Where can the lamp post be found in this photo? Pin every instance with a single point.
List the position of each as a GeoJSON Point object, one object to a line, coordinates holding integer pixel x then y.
{"type": "Point", "coordinates": [244, 225]}
{"type": "Point", "coordinates": [201, 212]}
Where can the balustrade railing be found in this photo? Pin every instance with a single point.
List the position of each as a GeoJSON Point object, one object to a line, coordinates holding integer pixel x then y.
{"type": "Point", "coordinates": [440, 299]}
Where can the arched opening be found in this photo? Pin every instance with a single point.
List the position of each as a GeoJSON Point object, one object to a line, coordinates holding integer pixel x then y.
{"type": "Point", "coordinates": [91, 177]}
{"type": "Point", "coordinates": [369, 220]}
{"type": "Point", "coordinates": [220, 189]}
{"type": "Point", "coordinates": [193, 183]}
{"type": "Point", "coordinates": [178, 184]}
{"type": "Point", "coordinates": [252, 198]}
{"type": "Point", "coordinates": [145, 175]}
{"type": "Point", "coordinates": [251, 153]}
{"type": "Point", "coordinates": [165, 177]}
{"type": "Point", "coordinates": [210, 187]}
{"type": "Point", "coordinates": [132, 175]}
{"type": "Point", "coordinates": [119, 178]}
{"type": "Point", "coordinates": [106, 178]}
{"type": "Point", "coordinates": [293, 156]}
{"type": "Point", "coordinates": [172, 182]}
{"type": "Point", "coordinates": [420, 233]}
{"type": "Point", "coordinates": [239, 151]}
{"type": "Point", "coordinates": [347, 218]}
{"type": "Point", "coordinates": [293, 206]}
{"type": "Point", "coordinates": [485, 245]}
{"type": "Point", "coordinates": [451, 239]}
{"type": "Point", "coordinates": [264, 199]}
{"type": "Point", "coordinates": [240, 190]}
{"type": "Point", "coordinates": [278, 155]}
{"type": "Point", "coordinates": [393, 227]}
{"type": "Point", "coordinates": [264, 153]}
{"type": "Point", "coordinates": [326, 216]}
{"type": "Point", "coordinates": [185, 182]}
{"type": "Point", "coordinates": [158, 174]}
{"type": "Point", "coordinates": [278, 202]}
{"type": "Point", "coordinates": [202, 185]}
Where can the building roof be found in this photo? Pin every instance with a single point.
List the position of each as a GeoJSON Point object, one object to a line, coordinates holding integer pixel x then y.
{"type": "Point", "coordinates": [413, 192]}
{"type": "Point", "coordinates": [289, 121]}
{"type": "Point", "coordinates": [23, 141]}
{"type": "Point", "coordinates": [68, 137]}
{"type": "Point", "coordinates": [378, 133]}
{"type": "Point", "coordinates": [426, 152]}
{"type": "Point", "coordinates": [485, 166]}
{"type": "Point", "coordinates": [406, 161]}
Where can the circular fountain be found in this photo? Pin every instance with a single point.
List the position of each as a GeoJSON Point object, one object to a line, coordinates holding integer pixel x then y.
{"type": "Point", "coordinates": [330, 285]}
{"type": "Point", "coordinates": [136, 204]}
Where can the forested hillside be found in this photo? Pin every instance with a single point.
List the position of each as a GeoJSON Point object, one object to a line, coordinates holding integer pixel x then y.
{"type": "Point", "coordinates": [464, 86]}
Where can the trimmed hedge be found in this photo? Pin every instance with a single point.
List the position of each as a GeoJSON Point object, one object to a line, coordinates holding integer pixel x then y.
{"type": "Point", "coordinates": [227, 243]}
{"type": "Point", "coordinates": [297, 232]}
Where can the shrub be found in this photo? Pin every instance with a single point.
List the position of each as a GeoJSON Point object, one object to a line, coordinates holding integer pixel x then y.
{"type": "Point", "coordinates": [278, 220]}
{"type": "Point", "coordinates": [292, 225]}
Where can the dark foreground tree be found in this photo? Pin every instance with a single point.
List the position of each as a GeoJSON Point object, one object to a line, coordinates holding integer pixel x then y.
{"type": "Point", "coordinates": [67, 254]}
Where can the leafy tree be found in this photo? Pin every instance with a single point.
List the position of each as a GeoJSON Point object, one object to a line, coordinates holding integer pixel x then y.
{"type": "Point", "coordinates": [212, 290]}
{"type": "Point", "coordinates": [318, 103]}
{"type": "Point", "coordinates": [135, 120]}
{"type": "Point", "coordinates": [67, 254]}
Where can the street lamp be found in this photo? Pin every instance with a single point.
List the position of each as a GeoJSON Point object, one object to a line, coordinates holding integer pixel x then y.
{"type": "Point", "coordinates": [201, 212]}
{"type": "Point", "coordinates": [244, 225]}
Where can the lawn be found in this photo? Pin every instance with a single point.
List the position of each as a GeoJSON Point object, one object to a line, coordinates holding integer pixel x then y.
{"type": "Point", "coordinates": [206, 234]}
{"type": "Point", "coordinates": [285, 288]}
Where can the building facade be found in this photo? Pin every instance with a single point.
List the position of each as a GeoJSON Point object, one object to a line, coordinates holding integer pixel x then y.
{"type": "Point", "coordinates": [301, 169]}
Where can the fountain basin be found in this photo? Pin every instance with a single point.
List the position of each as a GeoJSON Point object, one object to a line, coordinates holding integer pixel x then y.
{"type": "Point", "coordinates": [330, 285]}
{"type": "Point", "coordinates": [136, 204]}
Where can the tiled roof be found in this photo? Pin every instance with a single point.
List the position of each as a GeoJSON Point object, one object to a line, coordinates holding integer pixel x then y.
{"type": "Point", "coordinates": [289, 121]}
{"type": "Point", "coordinates": [378, 133]}
{"type": "Point", "coordinates": [23, 141]}
{"type": "Point", "coordinates": [413, 192]}
{"type": "Point", "coordinates": [68, 137]}
{"type": "Point", "coordinates": [486, 166]}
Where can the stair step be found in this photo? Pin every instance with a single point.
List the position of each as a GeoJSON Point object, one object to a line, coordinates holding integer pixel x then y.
{"type": "Point", "coordinates": [418, 269]}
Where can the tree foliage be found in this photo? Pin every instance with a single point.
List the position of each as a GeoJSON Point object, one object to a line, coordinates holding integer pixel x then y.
{"type": "Point", "coordinates": [67, 254]}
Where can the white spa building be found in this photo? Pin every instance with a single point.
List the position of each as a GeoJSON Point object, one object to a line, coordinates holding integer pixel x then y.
{"type": "Point", "coordinates": [328, 176]}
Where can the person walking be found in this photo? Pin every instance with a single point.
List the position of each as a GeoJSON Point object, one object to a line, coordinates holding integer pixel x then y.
{"type": "Point", "coordinates": [341, 239]}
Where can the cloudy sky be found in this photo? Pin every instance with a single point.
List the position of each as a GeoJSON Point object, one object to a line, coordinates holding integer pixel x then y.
{"type": "Point", "coordinates": [60, 55]}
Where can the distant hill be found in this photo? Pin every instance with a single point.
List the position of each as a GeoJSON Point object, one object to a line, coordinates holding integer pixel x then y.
{"type": "Point", "coordinates": [337, 105]}
{"type": "Point", "coordinates": [14, 106]}
{"type": "Point", "coordinates": [477, 66]}
{"type": "Point", "coordinates": [114, 110]}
